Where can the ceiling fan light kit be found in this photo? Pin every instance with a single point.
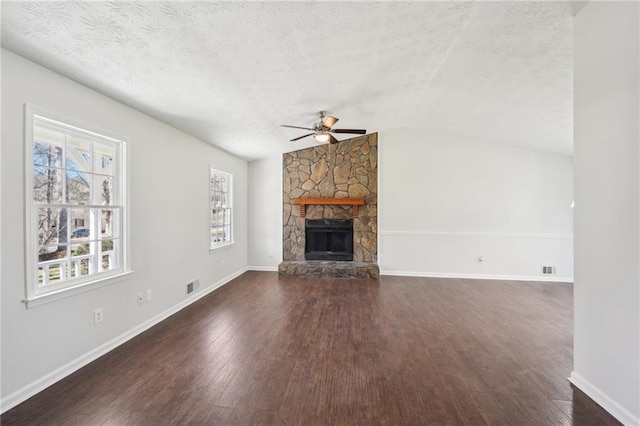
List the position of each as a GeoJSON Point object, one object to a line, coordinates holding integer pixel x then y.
{"type": "Point", "coordinates": [322, 137]}
{"type": "Point", "coordinates": [323, 130]}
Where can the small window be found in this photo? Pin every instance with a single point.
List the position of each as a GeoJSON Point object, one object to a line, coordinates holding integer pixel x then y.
{"type": "Point", "coordinates": [75, 206]}
{"type": "Point", "coordinates": [220, 207]}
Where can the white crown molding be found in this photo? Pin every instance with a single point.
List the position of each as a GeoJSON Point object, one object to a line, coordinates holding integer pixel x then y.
{"type": "Point", "coordinates": [44, 382]}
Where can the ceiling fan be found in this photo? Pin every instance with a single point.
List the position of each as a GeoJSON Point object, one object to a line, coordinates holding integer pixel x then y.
{"type": "Point", "coordinates": [323, 130]}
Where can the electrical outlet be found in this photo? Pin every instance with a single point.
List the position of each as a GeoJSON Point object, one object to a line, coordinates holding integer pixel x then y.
{"type": "Point", "coordinates": [222, 263]}
{"type": "Point", "coordinates": [149, 295]}
{"type": "Point", "coordinates": [97, 316]}
{"type": "Point", "coordinates": [140, 298]}
{"type": "Point", "coordinates": [270, 253]}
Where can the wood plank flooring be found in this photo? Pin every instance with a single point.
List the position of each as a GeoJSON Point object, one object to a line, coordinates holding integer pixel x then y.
{"type": "Point", "coordinates": [304, 351]}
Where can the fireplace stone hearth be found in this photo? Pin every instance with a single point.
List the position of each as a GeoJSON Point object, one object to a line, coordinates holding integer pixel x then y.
{"type": "Point", "coordinates": [329, 268]}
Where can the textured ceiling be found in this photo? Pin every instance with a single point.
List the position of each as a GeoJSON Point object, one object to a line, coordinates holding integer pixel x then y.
{"type": "Point", "coordinates": [231, 72]}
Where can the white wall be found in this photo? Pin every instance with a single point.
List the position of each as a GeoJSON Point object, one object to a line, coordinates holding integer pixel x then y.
{"type": "Point", "coordinates": [265, 217]}
{"type": "Point", "coordinates": [607, 231]}
{"type": "Point", "coordinates": [168, 177]}
{"type": "Point", "coordinates": [444, 202]}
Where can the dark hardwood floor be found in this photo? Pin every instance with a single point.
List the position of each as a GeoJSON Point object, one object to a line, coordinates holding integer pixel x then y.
{"type": "Point", "coordinates": [304, 351]}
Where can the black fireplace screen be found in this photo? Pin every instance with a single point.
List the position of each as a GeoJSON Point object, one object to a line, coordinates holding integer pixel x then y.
{"type": "Point", "coordinates": [329, 239]}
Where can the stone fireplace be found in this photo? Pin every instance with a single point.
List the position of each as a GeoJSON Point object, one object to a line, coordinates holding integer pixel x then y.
{"type": "Point", "coordinates": [331, 183]}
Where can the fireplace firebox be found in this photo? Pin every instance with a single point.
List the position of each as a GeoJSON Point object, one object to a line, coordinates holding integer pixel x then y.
{"type": "Point", "coordinates": [329, 239]}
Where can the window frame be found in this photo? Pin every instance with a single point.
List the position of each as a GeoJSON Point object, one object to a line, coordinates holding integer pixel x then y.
{"type": "Point", "coordinates": [34, 294]}
{"type": "Point", "coordinates": [213, 246]}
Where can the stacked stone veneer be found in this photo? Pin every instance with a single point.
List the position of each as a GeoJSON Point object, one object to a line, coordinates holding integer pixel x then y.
{"type": "Point", "coordinates": [348, 169]}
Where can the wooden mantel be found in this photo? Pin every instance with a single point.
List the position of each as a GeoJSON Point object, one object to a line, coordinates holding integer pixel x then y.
{"type": "Point", "coordinates": [304, 202]}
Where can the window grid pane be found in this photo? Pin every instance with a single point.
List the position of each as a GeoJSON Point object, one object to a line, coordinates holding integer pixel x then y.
{"type": "Point", "coordinates": [220, 208]}
{"type": "Point", "coordinates": [72, 175]}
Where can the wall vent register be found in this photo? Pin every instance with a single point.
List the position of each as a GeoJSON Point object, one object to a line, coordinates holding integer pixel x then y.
{"type": "Point", "coordinates": [548, 270]}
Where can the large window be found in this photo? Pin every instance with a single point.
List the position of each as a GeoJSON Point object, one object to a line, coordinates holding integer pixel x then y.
{"type": "Point", "coordinates": [220, 189]}
{"type": "Point", "coordinates": [75, 206]}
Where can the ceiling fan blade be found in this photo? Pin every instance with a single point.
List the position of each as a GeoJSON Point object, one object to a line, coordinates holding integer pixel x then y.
{"type": "Point", "coordinates": [296, 127]}
{"type": "Point", "coordinates": [301, 137]}
{"type": "Point", "coordinates": [354, 131]}
{"type": "Point", "coordinates": [332, 140]}
{"type": "Point", "coordinates": [330, 122]}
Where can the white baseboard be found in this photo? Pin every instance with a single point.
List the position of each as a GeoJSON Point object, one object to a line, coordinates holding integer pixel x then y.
{"type": "Point", "coordinates": [263, 268]}
{"type": "Point", "coordinates": [478, 276]}
{"type": "Point", "coordinates": [39, 385]}
{"type": "Point", "coordinates": [616, 410]}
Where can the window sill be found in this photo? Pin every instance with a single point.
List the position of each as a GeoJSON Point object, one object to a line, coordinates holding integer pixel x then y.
{"type": "Point", "coordinates": [72, 291]}
{"type": "Point", "coordinates": [221, 247]}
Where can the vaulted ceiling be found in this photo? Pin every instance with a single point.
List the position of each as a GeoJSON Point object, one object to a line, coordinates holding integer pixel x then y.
{"type": "Point", "coordinates": [230, 73]}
